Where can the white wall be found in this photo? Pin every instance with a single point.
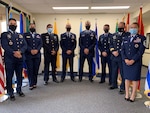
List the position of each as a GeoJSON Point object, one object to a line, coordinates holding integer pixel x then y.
{"type": "Point", "coordinates": [74, 19]}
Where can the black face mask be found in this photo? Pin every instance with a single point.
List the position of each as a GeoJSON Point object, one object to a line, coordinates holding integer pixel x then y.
{"type": "Point", "coordinates": [106, 30]}
{"type": "Point", "coordinates": [87, 27]}
{"type": "Point", "coordinates": [12, 27]}
{"type": "Point", "coordinates": [32, 30]}
{"type": "Point", "coordinates": [121, 29]}
{"type": "Point", "coordinates": [68, 29]}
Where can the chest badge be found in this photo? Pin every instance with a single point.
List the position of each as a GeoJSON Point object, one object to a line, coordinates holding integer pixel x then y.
{"type": "Point", "coordinates": [136, 46]}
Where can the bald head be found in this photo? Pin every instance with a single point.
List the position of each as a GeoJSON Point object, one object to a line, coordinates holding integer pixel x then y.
{"type": "Point", "coordinates": [87, 25]}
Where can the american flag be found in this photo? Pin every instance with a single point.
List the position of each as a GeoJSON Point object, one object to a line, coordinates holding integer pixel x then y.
{"type": "Point", "coordinates": [2, 80]}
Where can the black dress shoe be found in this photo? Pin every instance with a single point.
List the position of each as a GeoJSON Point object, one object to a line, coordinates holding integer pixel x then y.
{"type": "Point", "coordinates": [21, 94]}
{"type": "Point", "coordinates": [62, 80]}
{"type": "Point", "coordinates": [56, 81]}
{"type": "Point", "coordinates": [46, 83]}
{"type": "Point", "coordinates": [102, 82]}
{"type": "Point", "coordinates": [34, 86]}
{"type": "Point", "coordinates": [122, 91]}
{"type": "Point", "coordinates": [31, 88]}
{"type": "Point", "coordinates": [91, 79]}
{"type": "Point", "coordinates": [73, 79]}
{"type": "Point", "coordinates": [12, 98]}
{"type": "Point", "coordinates": [111, 88]}
{"type": "Point", "coordinates": [80, 78]}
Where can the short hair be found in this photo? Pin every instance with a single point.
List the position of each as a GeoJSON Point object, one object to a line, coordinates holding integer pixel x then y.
{"type": "Point", "coordinates": [123, 23]}
{"type": "Point", "coordinates": [48, 25]}
{"type": "Point", "coordinates": [12, 19]}
{"type": "Point", "coordinates": [136, 24]}
{"type": "Point", "coordinates": [106, 25]}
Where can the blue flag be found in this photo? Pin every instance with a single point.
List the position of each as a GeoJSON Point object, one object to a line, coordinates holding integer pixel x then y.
{"type": "Point", "coordinates": [21, 24]}
{"type": "Point", "coordinates": [95, 62]}
{"type": "Point", "coordinates": [147, 83]}
{"type": "Point", "coordinates": [79, 47]}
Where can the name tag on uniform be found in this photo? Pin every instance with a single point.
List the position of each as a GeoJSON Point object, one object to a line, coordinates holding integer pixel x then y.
{"type": "Point", "coordinates": [9, 36]}
{"type": "Point", "coordinates": [55, 38]}
{"type": "Point", "coordinates": [72, 37]}
{"type": "Point", "coordinates": [92, 35]}
{"type": "Point", "coordinates": [114, 37]}
{"type": "Point", "coordinates": [28, 36]}
{"type": "Point", "coordinates": [137, 40]}
{"type": "Point", "coordinates": [125, 41]}
{"type": "Point", "coordinates": [47, 36]}
{"type": "Point", "coordinates": [38, 36]}
{"type": "Point", "coordinates": [64, 38]}
{"type": "Point", "coordinates": [83, 35]}
{"type": "Point", "coordinates": [20, 36]}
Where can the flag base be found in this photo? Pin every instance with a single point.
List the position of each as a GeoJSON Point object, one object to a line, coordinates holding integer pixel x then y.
{"type": "Point", "coordinates": [3, 98]}
{"type": "Point", "coordinates": [24, 84]}
{"type": "Point", "coordinates": [138, 95]}
{"type": "Point", "coordinates": [147, 104]}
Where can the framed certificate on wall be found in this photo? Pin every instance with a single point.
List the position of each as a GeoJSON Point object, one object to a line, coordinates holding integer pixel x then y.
{"type": "Point", "coordinates": [147, 40]}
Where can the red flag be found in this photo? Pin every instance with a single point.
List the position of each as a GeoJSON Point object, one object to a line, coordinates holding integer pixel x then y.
{"type": "Point", "coordinates": [141, 32]}
{"type": "Point", "coordinates": [128, 22]}
{"type": "Point", "coordinates": [140, 22]}
{"type": "Point", "coordinates": [2, 80]}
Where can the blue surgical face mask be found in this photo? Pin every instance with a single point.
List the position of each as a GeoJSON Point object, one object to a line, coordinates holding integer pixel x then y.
{"type": "Point", "coordinates": [49, 30]}
{"type": "Point", "coordinates": [133, 31]}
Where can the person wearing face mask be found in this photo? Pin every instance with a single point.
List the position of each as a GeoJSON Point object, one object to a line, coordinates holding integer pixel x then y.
{"type": "Point", "coordinates": [87, 42]}
{"type": "Point", "coordinates": [50, 46]}
{"type": "Point", "coordinates": [33, 55]}
{"type": "Point", "coordinates": [68, 45]}
{"type": "Point", "coordinates": [14, 46]}
{"type": "Point", "coordinates": [104, 43]}
{"type": "Point", "coordinates": [132, 50]}
{"type": "Point", "coordinates": [116, 60]}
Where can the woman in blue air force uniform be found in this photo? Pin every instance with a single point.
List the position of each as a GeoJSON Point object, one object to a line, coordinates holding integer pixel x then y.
{"type": "Point", "coordinates": [132, 51]}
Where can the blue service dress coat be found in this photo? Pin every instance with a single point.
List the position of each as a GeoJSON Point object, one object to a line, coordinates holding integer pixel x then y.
{"type": "Point", "coordinates": [133, 49]}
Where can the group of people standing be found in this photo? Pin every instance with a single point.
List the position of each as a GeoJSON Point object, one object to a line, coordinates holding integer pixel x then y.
{"type": "Point", "coordinates": [122, 51]}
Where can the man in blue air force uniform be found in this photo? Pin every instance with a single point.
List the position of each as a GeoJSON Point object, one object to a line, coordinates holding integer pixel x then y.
{"type": "Point", "coordinates": [50, 46]}
{"type": "Point", "coordinates": [87, 41]}
{"type": "Point", "coordinates": [14, 46]}
{"type": "Point", "coordinates": [116, 60]}
{"type": "Point", "coordinates": [68, 45]}
{"type": "Point", "coordinates": [104, 43]}
{"type": "Point", "coordinates": [33, 55]}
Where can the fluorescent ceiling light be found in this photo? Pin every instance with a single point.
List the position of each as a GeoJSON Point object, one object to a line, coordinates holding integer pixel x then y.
{"type": "Point", "coordinates": [111, 7]}
{"type": "Point", "coordinates": [66, 8]}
